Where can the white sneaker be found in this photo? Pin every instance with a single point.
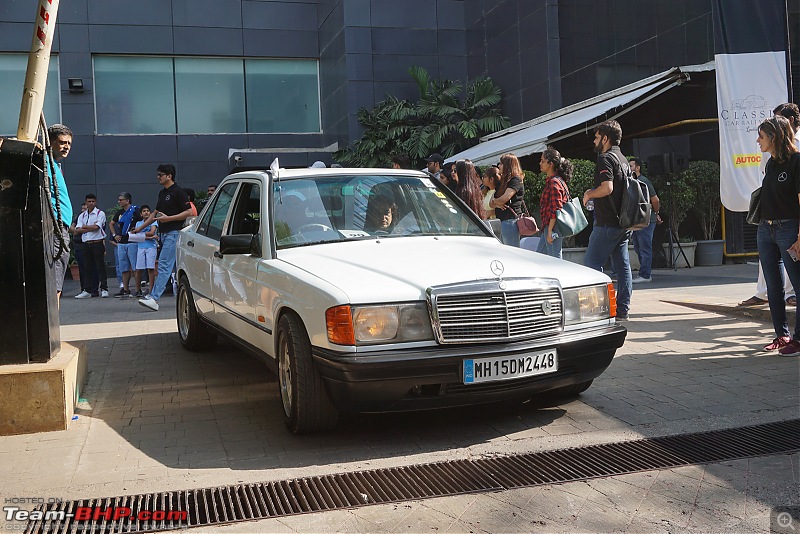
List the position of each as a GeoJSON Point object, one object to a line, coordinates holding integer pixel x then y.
{"type": "Point", "coordinates": [104, 294]}
{"type": "Point", "coordinates": [641, 279]}
{"type": "Point", "coordinates": [149, 302]}
{"type": "Point", "coordinates": [83, 295]}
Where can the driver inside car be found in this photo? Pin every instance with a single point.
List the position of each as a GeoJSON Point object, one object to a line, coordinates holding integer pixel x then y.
{"type": "Point", "coordinates": [381, 213]}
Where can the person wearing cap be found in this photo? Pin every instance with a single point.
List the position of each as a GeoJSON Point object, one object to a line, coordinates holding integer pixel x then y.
{"type": "Point", "coordinates": [435, 162]}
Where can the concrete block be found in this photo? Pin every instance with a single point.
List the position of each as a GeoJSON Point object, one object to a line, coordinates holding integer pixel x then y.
{"type": "Point", "coordinates": [41, 397]}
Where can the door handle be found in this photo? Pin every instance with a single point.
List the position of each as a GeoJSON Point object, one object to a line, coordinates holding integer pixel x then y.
{"type": "Point", "coordinates": [217, 254]}
{"type": "Point", "coordinates": [190, 243]}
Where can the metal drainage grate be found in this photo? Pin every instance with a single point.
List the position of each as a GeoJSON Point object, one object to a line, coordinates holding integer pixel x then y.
{"type": "Point", "coordinates": [243, 502]}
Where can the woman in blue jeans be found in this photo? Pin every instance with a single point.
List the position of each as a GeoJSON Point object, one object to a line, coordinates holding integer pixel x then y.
{"type": "Point", "coordinates": [778, 235]}
{"type": "Point", "coordinates": [558, 171]}
{"type": "Point", "coordinates": [507, 201]}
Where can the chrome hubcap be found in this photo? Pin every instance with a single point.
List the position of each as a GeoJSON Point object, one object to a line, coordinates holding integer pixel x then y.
{"type": "Point", "coordinates": [285, 378]}
{"type": "Point", "coordinates": [183, 313]}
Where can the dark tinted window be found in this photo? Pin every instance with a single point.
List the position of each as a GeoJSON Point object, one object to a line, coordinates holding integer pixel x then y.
{"type": "Point", "coordinates": [214, 219]}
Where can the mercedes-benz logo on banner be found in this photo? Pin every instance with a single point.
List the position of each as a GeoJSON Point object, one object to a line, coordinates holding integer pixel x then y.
{"type": "Point", "coordinates": [496, 267]}
{"type": "Point", "coordinates": [547, 308]}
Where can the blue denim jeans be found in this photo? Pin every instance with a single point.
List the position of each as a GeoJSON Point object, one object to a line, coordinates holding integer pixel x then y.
{"type": "Point", "coordinates": [551, 249]}
{"type": "Point", "coordinates": [773, 242]}
{"type": "Point", "coordinates": [166, 262]}
{"type": "Point", "coordinates": [611, 242]}
{"type": "Point", "coordinates": [116, 265]}
{"type": "Point", "coordinates": [643, 245]}
{"type": "Point", "coordinates": [510, 232]}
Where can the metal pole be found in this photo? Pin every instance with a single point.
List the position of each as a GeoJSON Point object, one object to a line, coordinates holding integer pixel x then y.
{"type": "Point", "coordinates": [36, 75]}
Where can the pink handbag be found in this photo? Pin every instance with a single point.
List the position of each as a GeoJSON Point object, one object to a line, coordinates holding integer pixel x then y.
{"type": "Point", "coordinates": [525, 223]}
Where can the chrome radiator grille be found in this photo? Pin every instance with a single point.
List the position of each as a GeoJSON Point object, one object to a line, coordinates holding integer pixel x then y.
{"type": "Point", "coordinates": [496, 315]}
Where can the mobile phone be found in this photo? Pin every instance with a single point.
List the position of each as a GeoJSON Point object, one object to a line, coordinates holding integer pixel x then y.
{"type": "Point", "coordinates": [792, 254]}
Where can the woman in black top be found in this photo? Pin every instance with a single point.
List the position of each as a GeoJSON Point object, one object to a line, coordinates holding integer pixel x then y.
{"type": "Point", "coordinates": [778, 235]}
{"type": "Point", "coordinates": [507, 200]}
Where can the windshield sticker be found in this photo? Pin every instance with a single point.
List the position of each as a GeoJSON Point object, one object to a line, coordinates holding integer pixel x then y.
{"type": "Point", "coordinates": [439, 194]}
{"type": "Point", "coordinates": [427, 182]}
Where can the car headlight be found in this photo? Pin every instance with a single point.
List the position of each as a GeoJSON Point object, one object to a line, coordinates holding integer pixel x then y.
{"type": "Point", "coordinates": [368, 325]}
{"type": "Point", "coordinates": [592, 303]}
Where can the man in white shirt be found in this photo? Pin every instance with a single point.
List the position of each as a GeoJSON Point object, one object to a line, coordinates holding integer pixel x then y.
{"type": "Point", "coordinates": [91, 228]}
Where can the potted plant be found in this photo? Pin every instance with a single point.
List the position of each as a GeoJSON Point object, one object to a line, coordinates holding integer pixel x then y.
{"type": "Point", "coordinates": [703, 178]}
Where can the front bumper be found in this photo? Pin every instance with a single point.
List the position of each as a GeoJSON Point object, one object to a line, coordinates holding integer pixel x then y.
{"type": "Point", "coordinates": [432, 377]}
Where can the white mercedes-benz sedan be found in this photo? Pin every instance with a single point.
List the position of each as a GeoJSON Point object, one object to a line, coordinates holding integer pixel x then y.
{"type": "Point", "coordinates": [377, 290]}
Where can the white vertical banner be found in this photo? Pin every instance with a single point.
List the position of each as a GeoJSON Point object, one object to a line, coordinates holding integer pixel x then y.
{"type": "Point", "coordinates": [749, 87]}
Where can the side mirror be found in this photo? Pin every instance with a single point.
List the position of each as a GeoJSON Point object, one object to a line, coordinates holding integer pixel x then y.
{"type": "Point", "coordinates": [240, 244]}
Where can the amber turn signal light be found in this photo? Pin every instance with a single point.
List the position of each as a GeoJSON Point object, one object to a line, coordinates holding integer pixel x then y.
{"type": "Point", "coordinates": [339, 322]}
{"type": "Point", "coordinates": [612, 300]}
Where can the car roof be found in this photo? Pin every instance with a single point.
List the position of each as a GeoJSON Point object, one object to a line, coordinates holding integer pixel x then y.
{"type": "Point", "coordinates": [289, 174]}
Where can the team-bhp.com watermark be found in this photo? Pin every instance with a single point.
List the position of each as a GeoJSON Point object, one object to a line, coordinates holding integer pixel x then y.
{"type": "Point", "coordinates": [17, 509]}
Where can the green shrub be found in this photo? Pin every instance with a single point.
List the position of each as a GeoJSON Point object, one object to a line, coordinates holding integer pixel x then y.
{"type": "Point", "coordinates": [676, 200]}
{"type": "Point", "coordinates": [703, 179]}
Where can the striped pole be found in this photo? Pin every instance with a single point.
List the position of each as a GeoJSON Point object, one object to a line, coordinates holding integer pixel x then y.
{"type": "Point", "coordinates": [36, 75]}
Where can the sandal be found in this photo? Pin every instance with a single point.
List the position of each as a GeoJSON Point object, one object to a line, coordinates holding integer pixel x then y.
{"type": "Point", "coordinates": [791, 301]}
{"type": "Point", "coordinates": [753, 301]}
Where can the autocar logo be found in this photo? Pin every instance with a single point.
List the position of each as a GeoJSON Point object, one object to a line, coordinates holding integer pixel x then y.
{"type": "Point", "coordinates": [547, 308]}
{"type": "Point", "coordinates": [496, 267]}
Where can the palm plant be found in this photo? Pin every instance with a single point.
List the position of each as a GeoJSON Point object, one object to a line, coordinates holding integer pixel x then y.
{"type": "Point", "coordinates": [440, 121]}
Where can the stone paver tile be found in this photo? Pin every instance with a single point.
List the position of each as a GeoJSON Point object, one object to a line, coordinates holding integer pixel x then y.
{"type": "Point", "coordinates": [386, 518]}
{"type": "Point", "coordinates": [658, 509]}
{"type": "Point", "coordinates": [457, 506]}
{"type": "Point", "coordinates": [595, 517]}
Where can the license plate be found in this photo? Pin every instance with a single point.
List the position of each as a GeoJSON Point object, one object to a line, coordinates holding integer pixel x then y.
{"type": "Point", "coordinates": [508, 367]}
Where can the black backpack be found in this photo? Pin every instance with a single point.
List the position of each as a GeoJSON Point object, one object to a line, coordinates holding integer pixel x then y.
{"type": "Point", "coordinates": [635, 209]}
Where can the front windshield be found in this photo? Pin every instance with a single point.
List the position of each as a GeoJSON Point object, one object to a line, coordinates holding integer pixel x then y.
{"type": "Point", "coordinates": [343, 208]}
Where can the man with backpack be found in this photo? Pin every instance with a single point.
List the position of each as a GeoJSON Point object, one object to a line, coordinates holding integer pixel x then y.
{"type": "Point", "coordinates": [608, 238]}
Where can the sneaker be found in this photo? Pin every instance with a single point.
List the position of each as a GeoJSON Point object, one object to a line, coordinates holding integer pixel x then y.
{"type": "Point", "coordinates": [791, 349]}
{"type": "Point", "coordinates": [122, 294]}
{"type": "Point", "coordinates": [640, 279]}
{"type": "Point", "coordinates": [104, 293]}
{"type": "Point", "coordinates": [753, 301]}
{"type": "Point", "coordinates": [149, 302]}
{"type": "Point", "coordinates": [622, 317]}
{"type": "Point", "coordinates": [791, 301]}
{"type": "Point", "coordinates": [778, 343]}
{"type": "Point", "coordinates": [83, 295]}
{"type": "Point", "coordinates": [135, 294]}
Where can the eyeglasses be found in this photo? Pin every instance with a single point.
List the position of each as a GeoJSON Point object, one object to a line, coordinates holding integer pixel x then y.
{"type": "Point", "coordinates": [121, 199]}
{"type": "Point", "coordinates": [160, 174]}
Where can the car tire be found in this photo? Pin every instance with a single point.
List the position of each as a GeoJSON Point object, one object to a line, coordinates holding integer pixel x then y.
{"type": "Point", "coordinates": [194, 334]}
{"type": "Point", "coordinates": [571, 391]}
{"type": "Point", "coordinates": [306, 405]}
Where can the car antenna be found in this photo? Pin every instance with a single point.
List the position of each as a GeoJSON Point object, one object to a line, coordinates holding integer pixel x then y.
{"type": "Point", "coordinates": [275, 167]}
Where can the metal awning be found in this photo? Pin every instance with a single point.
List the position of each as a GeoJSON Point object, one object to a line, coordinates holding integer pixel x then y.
{"type": "Point", "coordinates": [534, 135]}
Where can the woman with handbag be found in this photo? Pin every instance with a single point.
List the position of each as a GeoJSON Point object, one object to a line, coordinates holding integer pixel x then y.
{"type": "Point", "coordinates": [558, 171]}
{"type": "Point", "coordinates": [507, 200]}
{"type": "Point", "coordinates": [778, 236]}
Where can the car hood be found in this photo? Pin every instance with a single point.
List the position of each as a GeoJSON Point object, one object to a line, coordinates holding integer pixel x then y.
{"type": "Point", "coordinates": [401, 269]}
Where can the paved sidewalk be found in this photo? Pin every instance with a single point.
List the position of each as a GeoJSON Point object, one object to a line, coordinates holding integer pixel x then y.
{"type": "Point", "coordinates": [156, 417]}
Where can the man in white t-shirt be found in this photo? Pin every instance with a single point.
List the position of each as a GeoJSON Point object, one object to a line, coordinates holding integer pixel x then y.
{"type": "Point", "coordinates": [91, 229]}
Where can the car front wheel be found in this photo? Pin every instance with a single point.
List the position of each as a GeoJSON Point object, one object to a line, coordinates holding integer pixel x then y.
{"type": "Point", "coordinates": [193, 333]}
{"type": "Point", "coordinates": [306, 405]}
